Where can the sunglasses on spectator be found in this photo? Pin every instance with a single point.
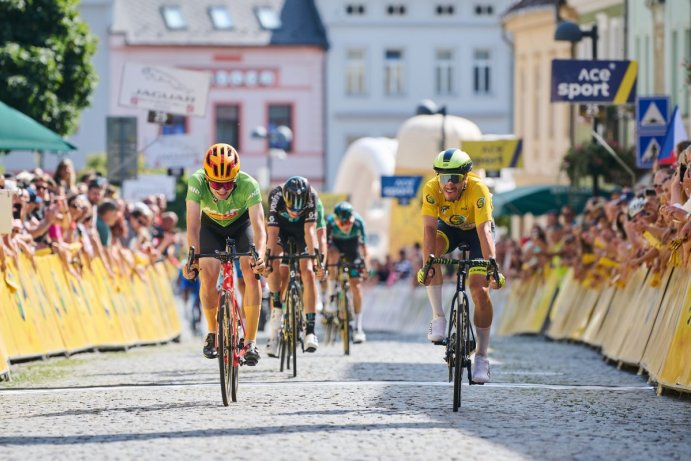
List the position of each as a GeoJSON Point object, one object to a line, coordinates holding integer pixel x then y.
{"type": "Point", "coordinates": [452, 178]}
{"type": "Point", "coordinates": [221, 185]}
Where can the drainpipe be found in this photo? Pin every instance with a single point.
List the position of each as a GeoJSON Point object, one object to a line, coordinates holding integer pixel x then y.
{"type": "Point", "coordinates": [512, 66]}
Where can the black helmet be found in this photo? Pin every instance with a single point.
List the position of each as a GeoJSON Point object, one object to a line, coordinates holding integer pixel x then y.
{"type": "Point", "coordinates": [296, 192]}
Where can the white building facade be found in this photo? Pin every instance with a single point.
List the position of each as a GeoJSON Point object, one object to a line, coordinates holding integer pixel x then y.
{"type": "Point", "coordinates": [388, 55]}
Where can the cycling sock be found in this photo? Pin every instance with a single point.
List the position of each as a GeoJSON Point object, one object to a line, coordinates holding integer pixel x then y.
{"type": "Point", "coordinates": [276, 299]}
{"type": "Point", "coordinates": [358, 321]}
{"type": "Point", "coordinates": [310, 323]}
{"type": "Point", "coordinates": [252, 319]}
{"type": "Point", "coordinates": [210, 316]}
{"type": "Point", "coordinates": [434, 295]}
{"type": "Point", "coordinates": [482, 341]}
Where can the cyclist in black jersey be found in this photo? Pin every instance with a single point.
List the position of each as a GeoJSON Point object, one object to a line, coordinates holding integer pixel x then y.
{"type": "Point", "coordinates": [293, 214]}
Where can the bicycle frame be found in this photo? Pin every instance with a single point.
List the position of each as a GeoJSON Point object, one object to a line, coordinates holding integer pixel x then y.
{"type": "Point", "coordinates": [228, 289]}
{"type": "Point", "coordinates": [458, 342]}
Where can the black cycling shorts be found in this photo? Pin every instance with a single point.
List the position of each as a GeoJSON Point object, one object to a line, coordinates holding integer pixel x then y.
{"type": "Point", "coordinates": [350, 249]}
{"type": "Point", "coordinates": [455, 236]}
{"type": "Point", "coordinates": [212, 236]}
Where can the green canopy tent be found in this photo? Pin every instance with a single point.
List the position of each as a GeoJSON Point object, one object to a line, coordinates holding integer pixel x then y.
{"type": "Point", "coordinates": [539, 200]}
{"type": "Point", "coordinates": [20, 132]}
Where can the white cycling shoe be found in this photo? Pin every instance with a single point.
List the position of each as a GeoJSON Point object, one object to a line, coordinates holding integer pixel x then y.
{"type": "Point", "coordinates": [311, 343]}
{"type": "Point", "coordinates": [481, 370]}
{"type": "Point", "coordinates": [437, 330]}
{"type": "Point", "coordinates": [359, 337]}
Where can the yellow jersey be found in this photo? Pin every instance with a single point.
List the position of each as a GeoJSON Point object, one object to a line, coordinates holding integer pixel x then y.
{"type": "Point", "coordinates": [473, 207]}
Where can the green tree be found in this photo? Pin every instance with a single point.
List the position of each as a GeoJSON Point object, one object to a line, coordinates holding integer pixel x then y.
{"type": "Point", "coordinates": [45, 61]}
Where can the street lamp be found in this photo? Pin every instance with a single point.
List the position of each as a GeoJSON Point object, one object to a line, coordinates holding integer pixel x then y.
{"type": "Point", "coordinates": [568, 31]}
{"type": "Point", "coordinates": [279, 139]}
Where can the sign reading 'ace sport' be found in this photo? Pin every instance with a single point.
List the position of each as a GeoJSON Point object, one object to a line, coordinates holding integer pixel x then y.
{"type": "Point", "coordinates": [598, 82]}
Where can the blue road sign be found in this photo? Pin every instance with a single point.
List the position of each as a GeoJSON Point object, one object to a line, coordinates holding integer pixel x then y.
{"type": "Point", "coordinates": [651, 127]}
{"type": "Point", "coordinates": [652, 114]}
{"type": "Point", "coordinates": [403, 188]}
{"type": "Point", "coordinates": [648, 149]}
{"type": "Point", "coordinates": [600, 82]}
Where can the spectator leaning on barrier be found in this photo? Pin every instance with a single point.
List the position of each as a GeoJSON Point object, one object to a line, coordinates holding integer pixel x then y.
{"type": "Point", "coordinates": [107, 215]}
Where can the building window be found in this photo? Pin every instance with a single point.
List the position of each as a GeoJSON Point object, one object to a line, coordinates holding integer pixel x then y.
{"type": "Point", "coordinates": [228, 125]}
{"type": "Point", "coordinates": [393, 73]}
{"type": "Point", "coordinates": [355, 9]}
{"type": "Point", "coordinates": [444, 73]}
{"type": "Point", "coordinates": [172, 15]}
{"type": "Point", "coordinates": [484, 9]}
{"type": "Point", "coordinates": [267, 18]}
{"type": "Point", "coordinates": [396, 10]}
{"type": "Point", "coordinates": [445, 10]}
{"type": "Point", "coordinates": [482, 72]}
{"type": "Point", "coordinates": [220, 17]}
{"type": "Point", "coordinates": [355, 73]}
{"type": "Point", "coordinates": [281, 114]}
{"type": "Point", "coordinates": [177, 126]}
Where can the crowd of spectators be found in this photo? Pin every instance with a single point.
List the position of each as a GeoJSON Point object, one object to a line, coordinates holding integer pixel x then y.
{"type": "Point", "coordinates": [72, 216]}
{"type": "Point", "coordinates": [650, 226]}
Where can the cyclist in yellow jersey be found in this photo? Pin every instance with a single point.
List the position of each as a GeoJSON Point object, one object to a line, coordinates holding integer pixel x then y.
{"type": "Point", "coordinates": [456, 208]}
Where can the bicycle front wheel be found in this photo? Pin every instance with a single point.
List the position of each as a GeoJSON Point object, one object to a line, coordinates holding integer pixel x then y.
{"type": "Point", "coordinates": [235, 355]}
{"type": "Point", "coordinates": [344, 311]}
{"type": "Point", "coordinates": [459, 352]}
{"type": "Point", "coordinates": [225, 353]}
{"type": "Point", "coordinates": [292, 301]}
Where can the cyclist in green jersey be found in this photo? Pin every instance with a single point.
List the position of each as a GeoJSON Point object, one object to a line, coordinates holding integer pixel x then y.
{"type": "Point", "coordinates": [222, 202]}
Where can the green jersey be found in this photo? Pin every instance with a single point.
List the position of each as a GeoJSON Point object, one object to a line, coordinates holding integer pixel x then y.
{"type": "Point", "coordinates": [224, 212]}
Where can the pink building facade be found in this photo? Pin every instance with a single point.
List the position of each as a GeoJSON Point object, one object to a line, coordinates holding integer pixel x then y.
{"type": "Point", "coordinates": [252, 86]}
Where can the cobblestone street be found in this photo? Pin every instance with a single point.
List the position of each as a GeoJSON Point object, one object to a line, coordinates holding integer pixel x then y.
{"type": "Point", "coordinates": [388, 400]}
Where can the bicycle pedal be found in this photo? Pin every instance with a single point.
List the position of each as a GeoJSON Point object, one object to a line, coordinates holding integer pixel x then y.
{"type": "Point", "coordinates": [443, 342]}
{"type": "Point", "coordinates": [473, 383]}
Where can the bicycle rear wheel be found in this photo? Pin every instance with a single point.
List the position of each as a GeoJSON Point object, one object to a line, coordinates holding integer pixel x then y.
{"type": "Point", "coordinates": [459, 353]}
{"type": "Point", "coordinates": [344, 311]}
{"type": "Point", "coordinates": [225, 355]}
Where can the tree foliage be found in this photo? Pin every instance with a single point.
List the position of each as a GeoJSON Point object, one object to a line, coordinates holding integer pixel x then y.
{"type": "Point", "coordinates": [45, 61]}
{"type": "Point", "coordinates": [590, 159]}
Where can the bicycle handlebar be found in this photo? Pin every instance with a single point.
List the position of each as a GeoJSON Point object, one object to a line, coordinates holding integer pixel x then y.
{"type": "Point", "coordinates": [223, 256]}
{"type": "Point", "coordinates": [490, 264]}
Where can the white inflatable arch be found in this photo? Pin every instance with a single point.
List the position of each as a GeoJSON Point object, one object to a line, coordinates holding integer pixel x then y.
{"type": "Point", "coordinates": [363, 164]}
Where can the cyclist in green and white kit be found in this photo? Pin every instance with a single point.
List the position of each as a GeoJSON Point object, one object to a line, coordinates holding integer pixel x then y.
{"type": "Point", "coordinates": [222, 202]}
{"type": "Point", "coordinates": [345, 232]}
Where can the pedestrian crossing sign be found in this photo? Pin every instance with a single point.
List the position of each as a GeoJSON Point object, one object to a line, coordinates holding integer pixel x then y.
{"type": "Point", "coordinates": [651, 114]}
{"type": "Point", "coordinates": [648, 150]}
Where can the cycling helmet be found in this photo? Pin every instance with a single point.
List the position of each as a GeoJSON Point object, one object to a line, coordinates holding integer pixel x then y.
{"type": "Point", "coordinates": [453, 161]}
{"type": "Point", "coordinates": [343, 211]}
{"type": "Point", "coordinates": [221, 163]}
{"type": "Point", "coordinates": [296, 192]}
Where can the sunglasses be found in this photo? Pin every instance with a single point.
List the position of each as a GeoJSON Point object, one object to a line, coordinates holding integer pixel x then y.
{"type": "Point", "coordinates": [221, 185]}
{"type": "Point", "coordinates": [452, 178]}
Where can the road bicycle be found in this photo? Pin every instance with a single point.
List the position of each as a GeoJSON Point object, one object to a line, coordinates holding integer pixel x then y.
{"type": "Point", "coordinates": [339, 324]}
{"type": "Point", "coordinates": [294, 320]}
{"type": "Point", "coordinates": [231, 327]}
{"type": "Point", "coordinates": [460, 341]}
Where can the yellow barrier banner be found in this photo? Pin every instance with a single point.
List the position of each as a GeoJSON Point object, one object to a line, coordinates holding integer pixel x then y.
{"type": "Point", "coordinates": [676, 371]}
{"type": "Point", "coordinates": [642, 323]}
{"type": "Point", "coordinates": [46, 309]}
